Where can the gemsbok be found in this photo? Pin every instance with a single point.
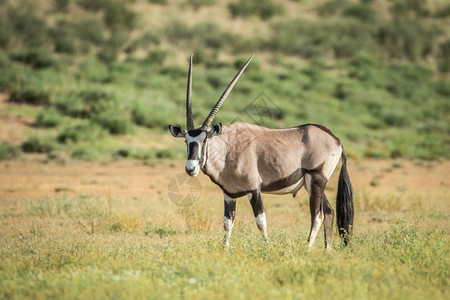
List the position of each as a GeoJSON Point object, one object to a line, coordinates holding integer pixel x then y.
{"type": "Point", "coordinates": [246, 159]}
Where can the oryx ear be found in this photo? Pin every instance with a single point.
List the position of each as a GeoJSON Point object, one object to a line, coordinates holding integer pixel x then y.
{"type": "Point", "coordinates": [216, 129]}
{"type": "Point", "coordinates": [176, 130]}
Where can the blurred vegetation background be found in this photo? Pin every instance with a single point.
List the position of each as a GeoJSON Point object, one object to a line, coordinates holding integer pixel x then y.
{"type": "Point", "coordinates": [103, 79]}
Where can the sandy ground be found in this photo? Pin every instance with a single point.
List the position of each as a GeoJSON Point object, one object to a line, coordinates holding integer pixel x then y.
{"type": "Point", "coordinates": [142, 190]}
{"type": "Point", "coordinates": [34, 176]}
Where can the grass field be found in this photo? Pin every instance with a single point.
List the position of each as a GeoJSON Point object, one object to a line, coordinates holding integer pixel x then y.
{"type": "Point", "coordinates": [88, 88]}
{"type": "Point", "coordinates": [109, 230]}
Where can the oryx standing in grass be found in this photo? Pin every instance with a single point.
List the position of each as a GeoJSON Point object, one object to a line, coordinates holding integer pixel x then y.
{"type": "Point", "coordinates": [245, 159]}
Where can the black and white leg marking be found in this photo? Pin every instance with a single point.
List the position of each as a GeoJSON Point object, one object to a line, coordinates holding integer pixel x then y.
{"type": "Point", "coordinates": [315, 185]}
{"type": "Point", "coordinates": [328, 212]}
{"type": "Point", "coordinates": [228, 217]}
{"type": "Point", "coordinates": [258, 211]}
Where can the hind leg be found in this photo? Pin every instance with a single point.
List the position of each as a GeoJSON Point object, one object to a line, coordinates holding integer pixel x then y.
{"type": "Point", "coordinates": [328, 212]}
{"type": "Point", "coordinates": [258, 211]}
{"type": "Point", "coordinates": [315, 184]}
{"type": "Point", "coordinates": [228, 217]}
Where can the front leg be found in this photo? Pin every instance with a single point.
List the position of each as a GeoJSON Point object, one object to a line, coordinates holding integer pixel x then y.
{"type": "Point", "coordinates": [228, 217]}
{"type": "Point", "coordinates": [258, 211]}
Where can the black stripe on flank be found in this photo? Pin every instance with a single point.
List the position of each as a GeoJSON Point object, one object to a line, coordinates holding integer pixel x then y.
{"type": "Point", "coordinates": [284, 182]}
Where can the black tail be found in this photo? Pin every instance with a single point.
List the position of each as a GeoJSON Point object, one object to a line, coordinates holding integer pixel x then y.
{"type": "Point", "coordinates": [344, 202]}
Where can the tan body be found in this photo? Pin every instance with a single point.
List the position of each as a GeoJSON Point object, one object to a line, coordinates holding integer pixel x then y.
{"type": "Point", "coordinates": [246, 157]}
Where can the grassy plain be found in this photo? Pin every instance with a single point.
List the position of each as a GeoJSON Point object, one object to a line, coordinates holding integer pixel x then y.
{"type": "Point", "coordinates": [108, 230]}
{"type": "Point", "coordinates": [87, 89]}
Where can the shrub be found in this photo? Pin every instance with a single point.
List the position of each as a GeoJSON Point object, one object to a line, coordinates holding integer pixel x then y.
{"type": "Point", "coordinates": [27, 25]}
{"type": "Point", "coordinates": [160, 2]}
{"type": "Point", "coordinates": [444, 56]}
{"type": "Point", "coordinates": [405, 80]}
{"type": "Point", "coordinates": [5, 30]}
{"type": "Point", "coordinates": [90, 5]}
{"type": "Point", "coordinates": [30, 96]}
{"type": "Point", "coordinates": [86, 153]}
{"type": "Point", "coordinates": [160, 230]}
{"type": "Point", "coordinates": [197, 4]}
{"type": "Point", "coordinates": [165, 153]}
{"type": "Point", "coordinates": [48, 118]}
{"type": "Point", "coordinates": [62, 36]}
{"type": "Point", "coordinates": [395, 119]}
{"type": "Point", "coordinates": [157, 56]}
{"type": "Point", "coordinates": [442, 87]}
{"type": "Point", "coordinates": [87, 103]}
{"type": "Point", "coordinates": [8, 151]}
{"type": "Point", "coordinates": [117, 15]}
{"type": "Point", "coordinates": [332, 7]}
{"type": "Point", "coordinates": [37, 145]}
{"type": "Point", "coordinates": [90, 29]}
{"type": "Point", "coordinates": [37, 58]}
{"type": "Point", "coordinates": [146, 115]}
{"type": "Point", "coordinates": [61, 5]}
{"type": "Point", "coordinates": [360, 11]}
{"type": "Point", "coordinates": [113, 123]}
{"type": "Point", "coordinates": [77, 133]}
{"type": "Point", "coordinates": [264, 9]}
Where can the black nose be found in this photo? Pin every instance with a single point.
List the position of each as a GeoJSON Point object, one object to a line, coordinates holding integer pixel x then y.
{"type": "Point", "coordinates": [189, 170]}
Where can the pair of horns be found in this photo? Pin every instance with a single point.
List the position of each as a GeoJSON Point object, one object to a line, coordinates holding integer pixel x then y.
{"type": "Point", "coordinates": [208, 121]}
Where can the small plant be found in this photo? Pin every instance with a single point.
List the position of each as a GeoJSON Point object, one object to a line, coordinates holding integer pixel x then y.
{"type": "Point", "coordinates": [8, 151]}
{"type": "Point", "coordinates": [114, 123]}
{"type": "Point", "coordinates": [88, 153]}
{"type": "Point", "coordinates": [160, 2]}
{"type": "Point", "coordinates": [160, 230]}
{"type": "Point", "coordinates": [37, 58]}
{"type": "Point", "coordinates": [30, 96]}
{"type": "Point", "coordinates": [48, 119]}
{"type": "Point", "coordinates": [264, 9]}
{"type": "Point", "coordinates": [36, 144]}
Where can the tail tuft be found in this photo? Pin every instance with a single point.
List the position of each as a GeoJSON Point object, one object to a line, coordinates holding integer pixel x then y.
{"type": "Point", "coordinates": [344, 202]}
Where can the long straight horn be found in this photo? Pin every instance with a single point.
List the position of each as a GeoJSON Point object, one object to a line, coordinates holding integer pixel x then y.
{"type": "Point", "coordinates": [219, 103]}
{"type": "Point", "coordinates": [189, 119]}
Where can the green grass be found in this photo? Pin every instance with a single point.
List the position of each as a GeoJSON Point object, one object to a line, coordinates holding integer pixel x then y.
{"type": "Point", "coordinates": [405, 261]}
{"type": "Point", "coordinates": [380, 86]}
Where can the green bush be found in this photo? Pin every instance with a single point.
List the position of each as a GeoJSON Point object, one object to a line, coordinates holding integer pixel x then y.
{"type": "Point", "coordinates": [8, 151]}
{"type": "Point", "coordinates": [48, 118]}
{"type": "Point", "coordinates": [86, 153]}
{"type": "Point", "coordinates": [30, 96]}
{"type": "Point", "coordinates": [405, 80]}
{"type": "Point", "coordinates": [444, 56]}
{"type": "Point", "coordinates": [90, 29]}
{"type": "Point", "coordinates": [197, 4]}
{"type": "Point", "coordinates": [5, 30]}
{"type": "Point", "coordinates": [87, 103]}
{"type": "Point", "coordinates": [157, 57]}
{"type": "Point", "coordinates": [117, 15]}
{"type": "Point", "coordinates": [331, 7]}
{"type": "Point", "coordinates": [62, 36]}
{"type": "Point", "coordinates": [78, 133]}
{"type": "Point", "coordinates": [37, 58]}
{"type": "Point", "coordinates": [113, 122]}
{"type": "Point", "coordinates": [160, 230]}
{"type": "Point", "coordinates": [26, 24]}
{"type": "Point", "coordinates": [160, 2]}
{"type": "Point", "coordinates": [36, 144]}
{"type": "Point", "coordinates": [93, 6]}
{"type": "Point", "coordinates": [360, 11]}
{"type": "Point", "coordinates": [264, 9]}
{"type": "Point", "coordinates": [61, 5]}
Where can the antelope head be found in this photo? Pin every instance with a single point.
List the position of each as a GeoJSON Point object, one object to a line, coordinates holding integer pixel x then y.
{"type": "Point", "coordinates": [196, 138]}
